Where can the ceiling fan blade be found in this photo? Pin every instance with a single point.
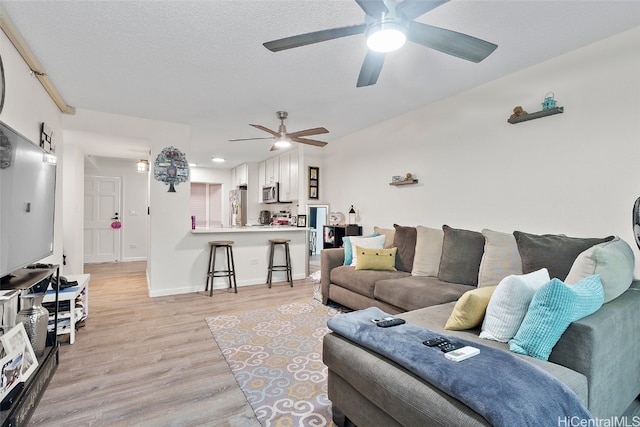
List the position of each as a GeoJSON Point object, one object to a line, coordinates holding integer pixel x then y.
{"type": "Point", "coordinates": [272, 132]}
{"type": "Point", "coordinates": [274, 148]}
{"type": "Point", "coordinates": [450, 42]}
{"type": "Point", "coordinates": [411, 9]}
{"type": "Point", "coordinates": [248, 139]}
{"type": "Point", "coordinates": [371, 68]}
{"type": "Point", "coordinates": [309, 142]}
{"type": "Point", "coordinates": [373, 8]}
{"type": "Point", "coordinates": [314, 37]}
{"type": "Point", "coordinates": [307, 132]}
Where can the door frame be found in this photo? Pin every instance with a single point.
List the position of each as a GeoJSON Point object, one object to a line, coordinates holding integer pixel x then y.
{"type": "Point", "coordinates": [318, 233]}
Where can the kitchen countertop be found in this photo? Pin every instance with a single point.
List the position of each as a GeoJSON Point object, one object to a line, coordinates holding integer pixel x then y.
{"type": "Point", "coordinates": [249, 229]}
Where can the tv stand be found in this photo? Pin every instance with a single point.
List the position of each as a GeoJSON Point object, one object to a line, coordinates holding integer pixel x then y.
{"type": "Point", "coordinates": [26, 401]}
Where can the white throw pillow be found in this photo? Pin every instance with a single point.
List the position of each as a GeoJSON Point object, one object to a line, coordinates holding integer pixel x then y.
{"type": "Point", "coordinates": [509, 304]}
{"type": "Point", "coordinates": [376, 242]}
{"type": "Point", "coordinates": [426, 261]}
{"type": "Point", "coordinates": [613, 261]}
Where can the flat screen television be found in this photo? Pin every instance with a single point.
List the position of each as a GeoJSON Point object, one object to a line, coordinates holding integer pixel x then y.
{"type": "Point", "coordinates": [27, 201]}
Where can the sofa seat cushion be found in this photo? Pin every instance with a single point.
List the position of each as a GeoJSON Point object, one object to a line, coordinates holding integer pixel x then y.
{"type": "Point", "coordinates": [362, 281]}
{"type": "Point", "coordinates": [410, 293]}
{"type": "Point", "coordinates": [434, 318]}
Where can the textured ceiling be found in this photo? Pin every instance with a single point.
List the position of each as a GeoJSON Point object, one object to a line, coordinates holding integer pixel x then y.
{"type": "Point", "coordinates": [203, 63]}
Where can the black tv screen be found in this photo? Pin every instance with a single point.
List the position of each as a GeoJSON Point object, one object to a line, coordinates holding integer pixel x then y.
{"type": "Point", "coordinates": [27, 201]}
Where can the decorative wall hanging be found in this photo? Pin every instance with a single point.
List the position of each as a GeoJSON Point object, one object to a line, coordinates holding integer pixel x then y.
{"type": "Point", "coordinates": [46, 138]}
{"type": "Point", "coordinates": [314, 182]}
{"type": "Point", "coordinates": [171, 167]}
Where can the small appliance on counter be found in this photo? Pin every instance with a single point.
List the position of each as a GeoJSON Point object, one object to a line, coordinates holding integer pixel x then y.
{"type": "Point", "coordinates": [264, 218]}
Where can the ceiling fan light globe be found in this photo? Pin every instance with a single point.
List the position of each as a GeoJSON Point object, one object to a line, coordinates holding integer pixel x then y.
{"type": "Point", "coordinates": [386, 37]}
{"type": "Point", "coordinates": [282, 143]}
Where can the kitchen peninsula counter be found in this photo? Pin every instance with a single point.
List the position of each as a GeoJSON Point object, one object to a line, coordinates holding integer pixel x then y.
{"type": "Point", "coordinates": [250, 229]}
{"type": "Point", "coordinates": [250, 253]}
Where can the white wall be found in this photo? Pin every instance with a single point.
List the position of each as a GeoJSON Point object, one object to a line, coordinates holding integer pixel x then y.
{"type": "Point", "coordinates": [169, 222]}
{"type": "Point", "coordinates": [133, 204]}
{"type": "Point", "coordinates": [26, 106]}
{"type": "Point", "coordinates": [73, 221]}
{"type": "Point", "coordinates": [574, 173]}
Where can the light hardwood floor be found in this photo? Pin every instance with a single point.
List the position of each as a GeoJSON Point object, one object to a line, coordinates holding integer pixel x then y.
{"type": "Point", "coordinates": [142, 361]}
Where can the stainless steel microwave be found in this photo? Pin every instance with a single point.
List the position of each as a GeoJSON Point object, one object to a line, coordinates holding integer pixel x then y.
{"type": "Point", "coordinates": [270, 193]}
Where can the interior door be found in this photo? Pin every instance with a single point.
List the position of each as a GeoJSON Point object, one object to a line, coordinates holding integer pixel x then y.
{"type": "Point", "coordinates": [101, 211]}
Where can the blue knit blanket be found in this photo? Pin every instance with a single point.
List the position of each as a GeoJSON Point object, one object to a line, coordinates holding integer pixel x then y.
{"type": "Point", "coordinates": [505, 389]}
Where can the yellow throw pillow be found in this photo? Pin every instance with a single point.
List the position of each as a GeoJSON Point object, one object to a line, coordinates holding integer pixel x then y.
{"type": "Point", "coordinates": [469, 311]}
{"type": "Point", "coordinates": [376, 259]}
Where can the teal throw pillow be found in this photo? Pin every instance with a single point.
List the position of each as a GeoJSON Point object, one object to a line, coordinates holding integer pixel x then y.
{"type": "Point", "coordinates": [553, 308]}
{"type": "Point", "coordinates": [348, 250]}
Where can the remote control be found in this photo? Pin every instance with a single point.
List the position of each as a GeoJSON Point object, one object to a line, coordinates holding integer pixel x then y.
{"type": "Point", "coordinates": [462, 353]}
{"type": "Point", "coordinates": [451, 346]}
{"type": "Point", "coordinates": [388, 321]}
{"type": "Point", "coordinates": [433, 342]}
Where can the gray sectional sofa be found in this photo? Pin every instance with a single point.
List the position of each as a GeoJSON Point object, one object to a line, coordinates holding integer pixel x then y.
{"type": "Point", "coordinates": [598, 356]}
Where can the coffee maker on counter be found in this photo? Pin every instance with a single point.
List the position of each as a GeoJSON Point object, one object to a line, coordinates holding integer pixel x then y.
{"type": "Point", "coordinates": [264, 218]}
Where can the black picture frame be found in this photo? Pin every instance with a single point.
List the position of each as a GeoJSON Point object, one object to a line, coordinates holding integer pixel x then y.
{"type": "Point", "coordinates": [302, 221]}
{"type": "Point", "coordinates": [314, 182]}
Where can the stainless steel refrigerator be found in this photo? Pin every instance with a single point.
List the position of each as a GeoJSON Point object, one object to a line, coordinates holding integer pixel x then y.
{"type": "Point", "coordinates": [237, 208]}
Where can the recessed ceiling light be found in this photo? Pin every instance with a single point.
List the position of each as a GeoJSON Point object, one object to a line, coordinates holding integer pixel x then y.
{"type": "Point", "coordinates": [193, 165]}
{"type": "Point", "coordinates": [218, 159]}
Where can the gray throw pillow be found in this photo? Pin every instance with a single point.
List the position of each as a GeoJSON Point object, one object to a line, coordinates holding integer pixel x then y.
{"type": "Point", "coordinates": [554, 252]}
{"type": "Point", "coordinates": [461, 256]}
{"type": "Point", "coordinates": [405, 240]}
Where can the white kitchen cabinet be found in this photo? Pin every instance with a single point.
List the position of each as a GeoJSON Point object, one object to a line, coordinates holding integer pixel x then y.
{"type": "Point", "coordinates": [289, 176]}
{"type": "Point", "coordinates": [262, 180]}
{"type": "Point", "coordinates": [272, 170]}
{"type": "Point", "coordinates": [240, 175]}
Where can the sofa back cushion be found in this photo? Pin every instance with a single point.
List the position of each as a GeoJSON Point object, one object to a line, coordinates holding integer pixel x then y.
{"type": "Point", "coordinates": [388, 234]}
{"type": "Point", "coordinates": [461, 256]}
{"type": "Point", "coordinates": [405, 240]}
{"type": "Point", "coordinates": [500, 259]}
{"type": "Point", "coordinates": [613, 261]}
{"type": "Point", "coordinates": [428, 251]}
{"type": "Point", "coordinates": [554, 252]}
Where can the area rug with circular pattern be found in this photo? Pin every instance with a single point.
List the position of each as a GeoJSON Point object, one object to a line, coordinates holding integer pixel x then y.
{"type": "Point", "coordinates": [275, 355]}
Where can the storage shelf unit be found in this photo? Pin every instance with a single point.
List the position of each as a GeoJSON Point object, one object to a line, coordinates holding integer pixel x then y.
{"type": "Point", "coordinates": [26, 401]}
{"type": "Point", "coordinates": [333, 234]}
{"type": "Point", "coordinates": [70, 296]}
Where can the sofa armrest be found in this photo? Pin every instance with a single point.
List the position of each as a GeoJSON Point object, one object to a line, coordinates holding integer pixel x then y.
{"type": "Point", "coordinates": [605, 347]}
{"type": "Point", "coordinates": [329, 259]}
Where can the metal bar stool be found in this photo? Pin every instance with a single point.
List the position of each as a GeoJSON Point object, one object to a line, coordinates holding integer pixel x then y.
{"type": "Point", "coordinates": [287, 265]}
{"type": "Point", "coordinates": [229, 272]}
